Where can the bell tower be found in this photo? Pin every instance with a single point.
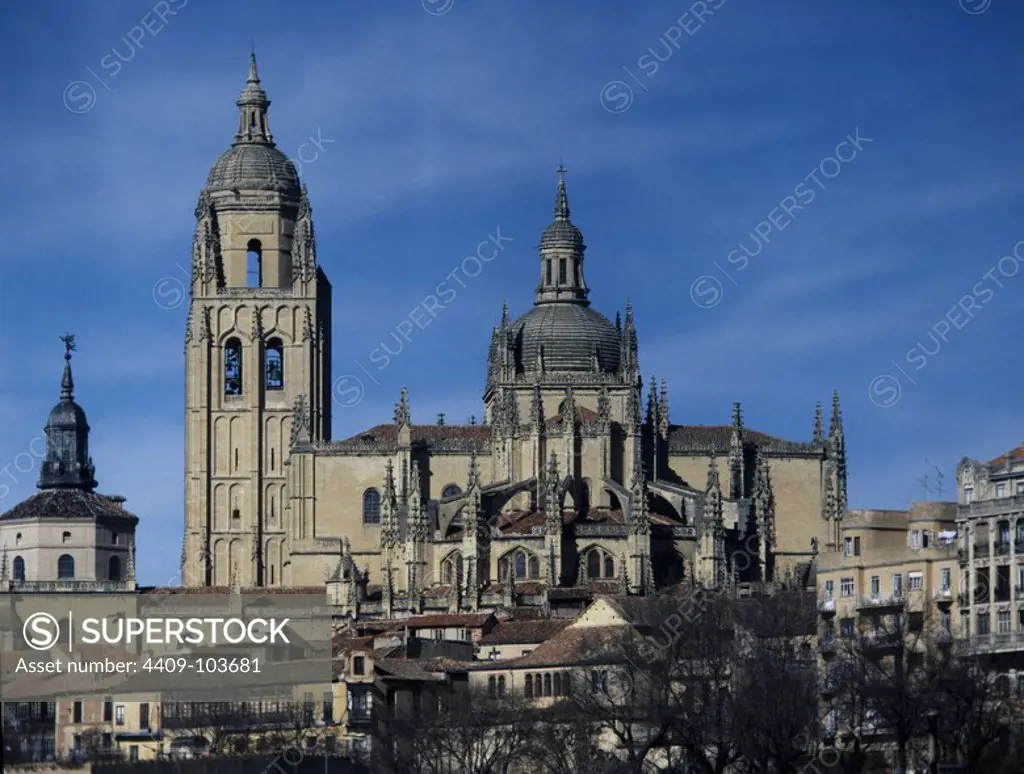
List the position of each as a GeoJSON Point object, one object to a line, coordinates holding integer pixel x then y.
{"type": "Point", "coordinates": [257, 343]}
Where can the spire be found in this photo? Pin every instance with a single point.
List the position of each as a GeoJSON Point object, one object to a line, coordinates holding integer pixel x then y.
{"type": "Point", "coordinates": [836, 425]}
{"type": "Point", "coordinates": [736, 473]}
{"type": "Point", "coordinates": [67, 384]}
{"type": "Point", "coordinates": [67, 464]}
{"type": "Point", "coordinates": [819, 428]}
{"type": "Point", "coordinates": [402, 416]}
{"type": "Point", "coordinates": [561, 197]}
{"type": "Point", "coordinates": [252, 106]}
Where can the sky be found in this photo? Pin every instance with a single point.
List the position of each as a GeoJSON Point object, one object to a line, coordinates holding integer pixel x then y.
{"type": "Point", "coordinates": [796, 197]}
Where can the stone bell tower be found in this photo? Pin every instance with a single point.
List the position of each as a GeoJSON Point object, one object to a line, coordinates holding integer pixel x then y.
{"type": "Point", "coordinates": [257, 344]}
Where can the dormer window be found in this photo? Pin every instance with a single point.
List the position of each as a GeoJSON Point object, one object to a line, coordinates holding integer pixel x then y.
{"type": "Point", "coordinates": [968, 494]}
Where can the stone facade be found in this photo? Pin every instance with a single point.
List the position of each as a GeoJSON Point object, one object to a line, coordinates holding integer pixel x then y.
{"type": "Point", "coordinates": [991, 526]}
{"type": "Point", "coordinates": [572, 480]}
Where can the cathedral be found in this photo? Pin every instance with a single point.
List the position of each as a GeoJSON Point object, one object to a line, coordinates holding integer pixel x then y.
{"type": "Point", "coordinates": [575, 482]}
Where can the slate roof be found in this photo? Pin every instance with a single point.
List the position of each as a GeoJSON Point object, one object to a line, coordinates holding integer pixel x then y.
{"type": "Point", "coordinates": [72, 504]}
{"type": "Point", "coordinates": [704, 438]}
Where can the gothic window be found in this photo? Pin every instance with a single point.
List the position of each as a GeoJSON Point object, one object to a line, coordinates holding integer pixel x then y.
{"type": "Point", "coordinates": [19, 569]}
{"type": "Point", "coordinates": [534, 567]}
{"type": "Point", "coordinates": [275, 365]}
{"type": "Point", "coordinates": [371, 506]}
{"type": "Point", "coordinates": [557, 687]}
{"type": "Point", "coordinates": [451, 569]}
{"type": "Point", "coordinates": [547, 684]}
{"type": "Point", "coordinates": [452, 490]}
{"type": "Point", "coordinates": [66, 567]}
{"type": "Point", "coordinates": [253, 263]}
{"type": "Point", "coordinates": [114, 569]}
{"type": "Point", "coordinates": [233, 367]}
{"type": "Point", "coordinates": [600, 564]}
{"type": "Point", "coordinates": [594, 564]}
{"type": "Point", "coordinates": [492, 686]}
{"type": "Point", "coordinates": [520, 565]}
{"type": "Point", "coordinates": [529, 687]}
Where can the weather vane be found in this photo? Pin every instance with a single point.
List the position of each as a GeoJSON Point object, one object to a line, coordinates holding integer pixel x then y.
{"type": "Point", "coordinates": [69, 345]}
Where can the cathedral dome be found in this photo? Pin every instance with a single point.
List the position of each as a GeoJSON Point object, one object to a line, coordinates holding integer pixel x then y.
{"type": "Point", "coordinates": [568, 334]}
{"type": "Point", "coordinates": [253, 166]}
{"type": "Point", "coordinates": [562, 233]}
{"type": "Point", "coordinates": [67, 415]}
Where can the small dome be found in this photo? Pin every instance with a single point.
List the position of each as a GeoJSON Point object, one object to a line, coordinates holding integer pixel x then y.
{"type": "Point", "coordinates": [254, 167]}
{"type": "Point", "coordinates": [568, 332]}
{"type": "Point", "coordinates": [67, 414]}
{"type": "Point", "coordinates": [562, 233]}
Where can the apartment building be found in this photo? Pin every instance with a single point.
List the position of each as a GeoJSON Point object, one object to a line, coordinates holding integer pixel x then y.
{"type": "Point", "coordinates": [991, 523]}
{"type": "Point", "coordinates": [891, 563]}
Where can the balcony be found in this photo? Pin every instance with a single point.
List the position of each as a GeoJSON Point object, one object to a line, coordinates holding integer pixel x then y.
{"type": "Point", "coordinates": [881, 601]}
{"type": "Point", "coordinates": [944, 636]}
{"type": "Point", "coordinates": [827, 645]}
{"type": "Point", "coordinates": [30, 587]}
{"type": "Point", "coordinates": [1003, 548]}
{"type": "Point", "coordinates": [880, 640]}
{"type": "Point", "coordinates": [943, 595]}
{"type": "Point", "coordinates": [1003, 642]}
{"type": "Point", "coordinates": [233, 715]}
{"type": "Point", "coordinates": [827, 607]}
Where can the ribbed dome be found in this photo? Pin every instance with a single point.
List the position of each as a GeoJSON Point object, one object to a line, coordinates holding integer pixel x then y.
{"type": "Point", "coordinates": [562, 233]}
{"type": "Point", "coordinates": [67, 414]}
{"type": "Point", "coordinates": [254, 166]}
{"type": "Point", "coordinates": [568, 332]}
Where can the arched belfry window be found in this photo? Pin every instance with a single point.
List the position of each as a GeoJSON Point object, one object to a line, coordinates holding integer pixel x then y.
{"type": "Point", "coordinates": [66, 567]}
{"type": "Point", "coordinates": [452, 490]}
{"type": "Point", "coordinates": [233, 367]}
{"type": "Point", "coordinates": [114, 569]}
{"type": "Point", "coordinates": [275, 365]}
{"type": "Point", "coordinates": [371, 507]}
{"type": "Point", "coordinates": [19, 569]}
{"type": "Point", "coordinates": [253, 263]}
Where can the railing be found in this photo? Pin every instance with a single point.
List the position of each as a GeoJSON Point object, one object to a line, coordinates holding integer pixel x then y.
{"type": "Point", "coordinates": [827, 606]}
{"type": "Point", "coordinates": [1002, 549]}
{"type": "Point", "coordinates": [877, 600]}
{"type": "Point", "coordinates": [26, 586]}
{"type": "Point", "coordinates": [827, 644]}
{"type": "Point", "coordinates": [993, 507]}
{"type": "Point", "coordinates": [991, 642]}
{"type": "Point", "coordinates": [233, 715]}
{"type": "Point", "coordinates": [943, 594]}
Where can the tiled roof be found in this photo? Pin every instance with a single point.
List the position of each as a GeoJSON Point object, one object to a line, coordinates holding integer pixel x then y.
{"type": "Point", "coordinates": [385, 436]}
{"type": "Point", "coordinates": [72, 504]}
{"type": "Point", "coordinates": [442, 620]}
{"type": "Point", "coordinates": [245, 590]}
{"type": "Point", "coordinates": [717, 437]}
{"type": "Point", "coordinates": [578, 645]}
{"type": "Point", "coordinates": [524, 632]}
{"type": "Point", "coordinates": [1013, 454]}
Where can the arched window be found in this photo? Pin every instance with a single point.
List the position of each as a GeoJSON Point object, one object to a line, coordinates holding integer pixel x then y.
{"type": "Point", "coordinates": [253, 263]}
{"type": "Point", "coordinates": [492, 686]}
{"type": "Point", "coordinates": [594, 564]}
{"type": "Point", "coordinates": [501, 685]}
{"type": "Point", "coordinates": [609, 566]}
{"type": "Point", "coordinates": [371, 506]}
{"type": "Point", "coordinates": [566, 684]}
{"type": "Point", "coordinates": [547, 684]}
{"type": "Point", "coordinates": [529, 687]}
{"type": "Point", "coordinates": [451, 574]}
{"type": "Point", "coordinates": [520, 565]}
{"type": "Point", "coordinates": [66, 567]}
{"type": "Point", "coordinates": [114, 569]}
{"type": "Point", "coordinates": [557, 688]}
{"type": "Point", "coordinates": [534, 567]}
{"type": "Point", "coordinates": [233, 367]}
{"type": "Point", "coordinates": [452, 490]}
{"type": "Point", "coordinates": [275, 365]}
{"type": "Point", "coordinates": [19, 569]}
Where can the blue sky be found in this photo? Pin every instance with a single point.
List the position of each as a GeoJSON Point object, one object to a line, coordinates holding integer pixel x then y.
{"type": "Point", "coordinates": [438, 128]}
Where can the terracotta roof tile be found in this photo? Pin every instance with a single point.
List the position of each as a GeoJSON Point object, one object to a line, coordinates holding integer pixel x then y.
{"type": "Point", "coordinates": [1013, 454]}
{"type": "Point", "coordinates": [524, 632]}
{"type": "Point", "coordinates": [72, 504]}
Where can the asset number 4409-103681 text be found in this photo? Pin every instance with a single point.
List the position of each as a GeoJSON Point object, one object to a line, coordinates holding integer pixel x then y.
{"type": "Point", "coordinates": [202, 665]}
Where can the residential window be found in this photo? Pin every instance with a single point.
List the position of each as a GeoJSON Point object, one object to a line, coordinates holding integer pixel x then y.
{"type": "Point", "coordinates": [144, 715]}
{"type": "Point", "coordinates": [897, 585]}
{"type": "Point", "coordinates": [926, 538]}
{"type": "Point", "coordinates": [133, 753]}
{"type": "Point", "coordinates": [875, 586]}
{"type": "Point", "coordinates": [915, 581]}
{"type": "Point", "coordinates": [848, 546]}
{"type": "Point", "coordinates": [501, 685]}
{"type": "Point", "coordinates": [856, 546]}
{"type": "Point", "coordinates": [1000, 490]}
{"type": "Point", "coordinates": [915, 539]}
{"type": "Point", "coordinates": [947, 579]}
{"type": "Point", "coordinates": [968, 494]}
{"type": "Point", "coordinates": [945, 620]}
{"type": "Point", "coordinates": [846, 587]}
{"type": "Point", "coordinates": [76, 713]}
{"type": "Point", "coordinates": [1020, 487]}
{"type": "Point", "coordinates": [846, 627]}
{"type": "Point", "coordinates": [328, 709]}
{"type": "Point", "coordinates": [358, 665]}
{"type": "Point", "coordinates": [829, 590]}
{"type": "Point", "coordinates": [119, 714]}
{"type": "Point", "coordinates": [438, 634]}
{"type": "Point", "coordinates": [1003, 622]}
{"type": "Point", "coordinates": [108, 711]}
{"type": "Point", "coordinates": [492, 686]}
{"type": "Point", "coordinates": [983, 627]}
